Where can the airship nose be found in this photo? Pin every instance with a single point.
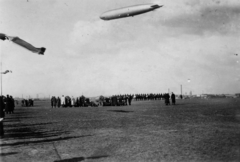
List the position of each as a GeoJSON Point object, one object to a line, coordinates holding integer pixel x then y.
{"type": "Point", "coordinates": [102, 17]}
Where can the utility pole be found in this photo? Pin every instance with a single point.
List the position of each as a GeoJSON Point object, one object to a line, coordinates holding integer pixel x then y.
{"type": "Point", "coordinates": [1, 69]}
{"type": "Point", "coordinates": [2, 116]}
{"type": "Point", "coordinates": [1, 78]}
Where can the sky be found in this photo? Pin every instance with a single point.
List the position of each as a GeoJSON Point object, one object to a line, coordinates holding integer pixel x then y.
{"type": "Point", "coordinates": [186, 42]}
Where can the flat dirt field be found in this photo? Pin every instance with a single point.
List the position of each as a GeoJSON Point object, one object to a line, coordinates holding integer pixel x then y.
{"type": "Point", "coordinates": [192, 130]}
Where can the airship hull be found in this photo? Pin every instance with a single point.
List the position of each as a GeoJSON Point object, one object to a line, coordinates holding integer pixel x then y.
{"type": "Point", "coordinates": [128, 11]}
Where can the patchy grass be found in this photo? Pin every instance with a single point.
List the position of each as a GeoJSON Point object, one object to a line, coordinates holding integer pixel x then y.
{"type": "Point", "coordinates": [192, 130]}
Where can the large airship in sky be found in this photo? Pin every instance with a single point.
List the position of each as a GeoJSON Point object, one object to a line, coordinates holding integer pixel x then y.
{"type": "Point", "coordinates": [129, 11]}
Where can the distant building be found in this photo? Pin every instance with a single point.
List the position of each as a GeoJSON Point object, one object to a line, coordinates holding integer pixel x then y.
{"type": "Point", "coordinates": [220, 95]}
{"type": "Point", "coordinates": [231, 95]}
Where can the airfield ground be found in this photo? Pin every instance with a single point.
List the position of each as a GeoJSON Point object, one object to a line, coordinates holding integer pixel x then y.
{"type": "Point", "coordinates": [192, 130]}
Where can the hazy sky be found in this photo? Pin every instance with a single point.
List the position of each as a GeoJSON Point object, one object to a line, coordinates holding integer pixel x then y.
{"type": "Point", "coordinates": [149, 53]}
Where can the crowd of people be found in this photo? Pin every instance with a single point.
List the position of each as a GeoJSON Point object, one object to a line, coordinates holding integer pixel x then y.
{"type": "Point", "coordinates": [27, 102]}
{"type": "Point", "coordinates": [167, 97]}
{"type": "Point", "coordinates": [7, 105]}
{"type": "Point", "coordinates": [114, 100]}
{"type": "Point", "coordinates": [118, 100]}
{"type": "Point", "coordinates": [150, 96]}
{"type": "Point", "coordinates": [66, 101]}
{"type": "Point", "coordinates": [164, 96]}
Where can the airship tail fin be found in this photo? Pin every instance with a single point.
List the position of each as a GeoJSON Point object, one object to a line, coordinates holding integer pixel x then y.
{"type": "Point", "coordinates": [42, 50]}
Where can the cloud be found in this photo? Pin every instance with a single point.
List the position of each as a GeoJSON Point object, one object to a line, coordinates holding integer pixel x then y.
{"type": "Point", "coordinates": [95, 37]}
{"type": "Point", "coordinates": [84, 32]}
{"type": "Point", "coordinates": [206, 18]}
{"type": "Point", "coordinates": [107, 37]}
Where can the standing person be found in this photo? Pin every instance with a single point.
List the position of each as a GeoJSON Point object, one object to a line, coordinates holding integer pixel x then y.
{"type": "Point", "coordinates": [58, 102]}
{"type": "Point", "coordinates": [77, 102]}
{"type": "Point", "coordinates": [125, 99]}
{"type": "Point", "coordinates": [2, 115]}
{"type": "Point", "coordinates": [167, 97]}
{"type": "Point", "coordinates": [82, 101]}
{"type": "Point", "coordinates": [12, 104]}
{"type": "Point", "coordinates": [66, 101]}
{"type": "Point", "coordinates": [53, 101]}
{"type": "Point", "coordinates": [73, 101]}
{"type": "Point", "coordinates": [26, 103]}
{"type": "Point", "coordinates": [32, 102]}
{"type": "Point", "coordinates": [63, 101]}
{"type": "Point", "coordinates": [114, 100]}
{"type": "Point", "coordinates": [173, 98]}
{"type": "Point", "coordinates": [8, 105]}
{"type": "Point", "coordinates": [130, 99]}
{"type": "Point", "coordinates": [23, 103]}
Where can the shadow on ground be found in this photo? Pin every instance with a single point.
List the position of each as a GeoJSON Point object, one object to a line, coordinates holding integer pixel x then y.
{"type": "Point", "coordinates": [77, 159]}
{"type": "Point", "coordinates": [9, 153]}
{"type": "Point", "coordinates": [26, 131]}
{"type": "Point", "coordinates": [42, 141]}
{"type": "Point", "coordinates": [121, 111]}
{"type": "Point", "coordinates": [29, 125]}
{"type": "Point", "coordinates": [18, 132]}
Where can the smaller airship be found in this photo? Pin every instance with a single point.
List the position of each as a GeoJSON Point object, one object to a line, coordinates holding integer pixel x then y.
{"type": "Point", "coordinates": [129, 11]}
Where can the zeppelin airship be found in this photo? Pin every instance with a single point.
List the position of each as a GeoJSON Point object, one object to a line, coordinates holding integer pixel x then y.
{"type": "Point", "coordinates": [128, 11]}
